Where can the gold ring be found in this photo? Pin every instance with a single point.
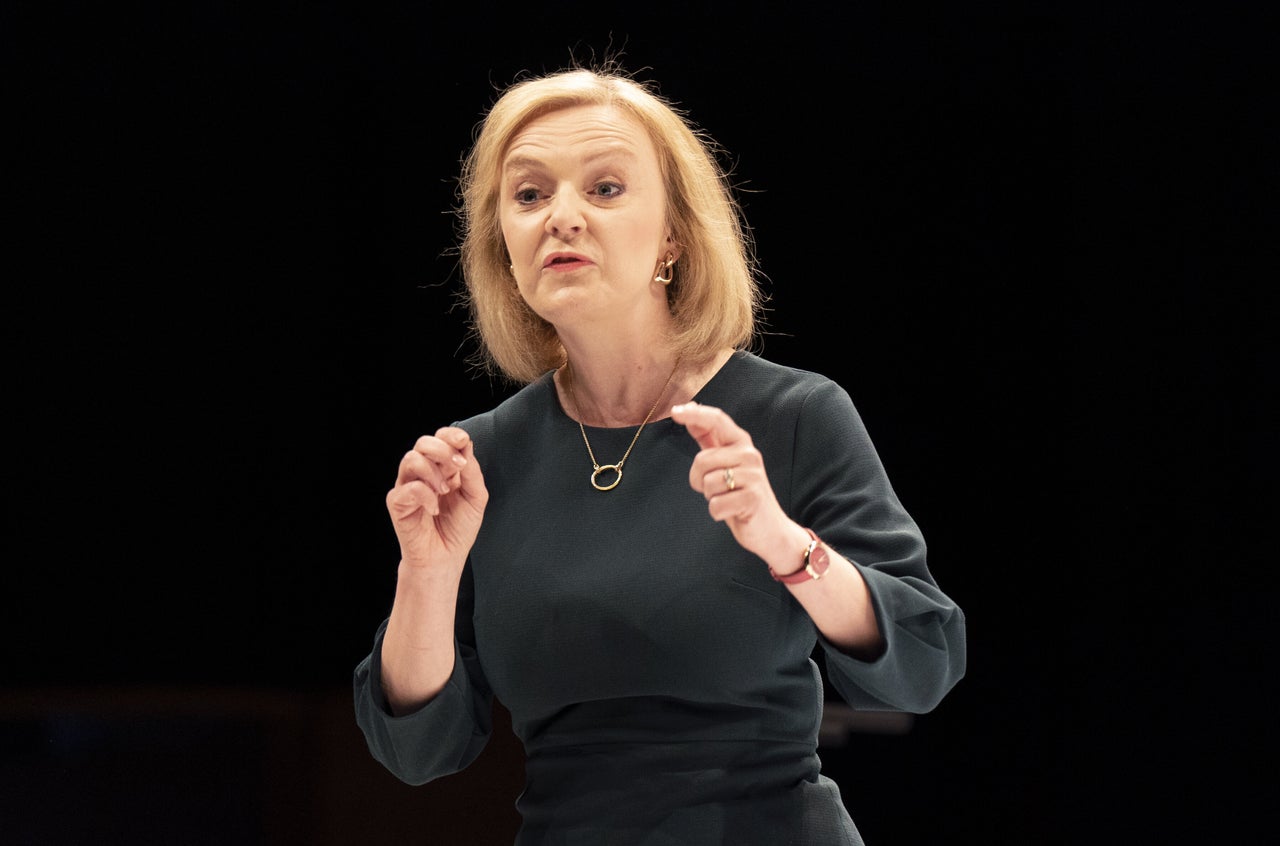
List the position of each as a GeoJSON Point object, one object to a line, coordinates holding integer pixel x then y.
{"type": "Point", "coordinates": [728, 478]}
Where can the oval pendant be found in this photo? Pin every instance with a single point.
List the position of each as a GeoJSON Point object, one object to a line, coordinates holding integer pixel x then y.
{"type": "Point", "coordinates": [615, 468]}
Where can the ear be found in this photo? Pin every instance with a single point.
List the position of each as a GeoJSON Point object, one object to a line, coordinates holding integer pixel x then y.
{"type": "Point", "coordinates": [673, 246]}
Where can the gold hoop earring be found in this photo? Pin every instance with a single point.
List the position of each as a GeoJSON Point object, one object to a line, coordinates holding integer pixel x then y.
{"type": "Point", "coordinates": [664, 266]}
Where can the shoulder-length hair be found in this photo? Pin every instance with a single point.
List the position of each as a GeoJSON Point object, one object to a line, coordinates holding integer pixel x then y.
{"type": "Point", "coordinates": [715, 299]}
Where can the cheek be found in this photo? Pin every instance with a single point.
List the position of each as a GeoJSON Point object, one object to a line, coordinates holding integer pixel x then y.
{"type": "Point", "coordinates": [651, 229]}
{"type": "Point", "coordinates": [511, 232]}
{"type": "Point", "coordinates": [520, 237]}
{"type": "Point", "coordinates": [504, 226]}
{"type": "Point", "coordinates": [634, 233]}
{"type": "Point", "coordinates": [521, 251]}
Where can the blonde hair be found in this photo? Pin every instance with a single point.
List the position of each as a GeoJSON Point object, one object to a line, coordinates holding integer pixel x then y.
{"type": "Point", "coordinates": [715, 299]}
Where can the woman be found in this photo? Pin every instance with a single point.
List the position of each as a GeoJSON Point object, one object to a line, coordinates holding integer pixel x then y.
{"type": "Point", "coordinates": [637, 552]}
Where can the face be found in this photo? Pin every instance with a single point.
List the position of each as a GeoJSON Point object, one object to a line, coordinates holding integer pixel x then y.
{"type": "Point", "coordinates": [583, 213]}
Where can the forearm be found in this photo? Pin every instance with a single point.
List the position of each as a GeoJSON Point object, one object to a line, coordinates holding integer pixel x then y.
{"type": "Point", "coordinates": [839, 602]}
{"type": "Point", "coordinates": [418, 647]}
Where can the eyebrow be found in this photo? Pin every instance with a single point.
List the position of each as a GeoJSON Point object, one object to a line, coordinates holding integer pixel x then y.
{"type": "Point", "coordinates": [527, 162]}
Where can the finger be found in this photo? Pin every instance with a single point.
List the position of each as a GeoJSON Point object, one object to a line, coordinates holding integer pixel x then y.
{"type": "Point", "coordinates": [729, 478]}
{"type": "Point", "coordinates": [454, 437]}
{"type": "Point", "coordinates": [463, 451]}
{"type": "Point", "coordinates": [706, 474]}
{"type": "Point", "coordinates": [469, 476]}
{"type": "Point", "coordinates": [429, 464]}
{"type": "Point", "coordinates": [709, 426]}
{"type": "Point", "coordinates": [448, 449]}
{"type": "Point", "coordinates": [448, 444]}
{"type": "Point", "coordinates": [735, 506]}
{"type": "Point", "coordinates": [725, 503]}
{"type": "Point", "coordinates": [407, 499]}
{"type": "Point", "coordinates": [722, 480]}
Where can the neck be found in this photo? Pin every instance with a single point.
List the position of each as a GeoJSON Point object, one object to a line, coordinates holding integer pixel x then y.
{"type": "Point", "coordinates": [612, 397]}
{"type": "Point", "coordinates": [617, 396]}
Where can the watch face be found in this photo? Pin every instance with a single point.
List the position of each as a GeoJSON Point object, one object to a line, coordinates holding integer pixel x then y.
{"type": "Point", "coordinates": [815, 563]}
{"type": "Point", "coordinates": [818, 559]}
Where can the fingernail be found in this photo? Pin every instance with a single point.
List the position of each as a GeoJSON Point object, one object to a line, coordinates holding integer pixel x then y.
{"type": "Point", "coordinates": [459, 460]}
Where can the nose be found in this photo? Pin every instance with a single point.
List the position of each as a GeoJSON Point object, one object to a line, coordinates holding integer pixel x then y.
{"type": "Point", "coordinates": [564, 215]}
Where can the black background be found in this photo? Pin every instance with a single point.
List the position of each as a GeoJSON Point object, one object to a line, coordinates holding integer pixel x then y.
{"type": "Point", "coordinates": [1034, 241]}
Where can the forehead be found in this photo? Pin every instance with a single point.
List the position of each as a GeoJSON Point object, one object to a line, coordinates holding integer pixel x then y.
{"type": "Point", "coordinates": [581, 131]}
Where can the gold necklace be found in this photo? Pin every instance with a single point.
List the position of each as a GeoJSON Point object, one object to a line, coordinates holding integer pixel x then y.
{"type": "Point", "coordinates": [617, 468]}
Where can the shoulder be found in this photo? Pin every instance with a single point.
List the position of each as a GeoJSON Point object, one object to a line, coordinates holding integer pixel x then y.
{"type": "Point", "coordinates": [750, 384]}
{"type": "Point", "coordinates": [789, 411]}
{"type": "Point", "coordinates": [518, 413]}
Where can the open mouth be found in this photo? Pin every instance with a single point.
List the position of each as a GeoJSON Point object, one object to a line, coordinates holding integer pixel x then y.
{"type": "Point", "coordinates": [565, 261]}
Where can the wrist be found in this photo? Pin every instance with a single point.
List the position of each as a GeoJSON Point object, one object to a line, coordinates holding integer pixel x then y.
{"type": "Point", "coordinates": [811, 562]}
{"type": "Point", "coordinates": [413, 574]}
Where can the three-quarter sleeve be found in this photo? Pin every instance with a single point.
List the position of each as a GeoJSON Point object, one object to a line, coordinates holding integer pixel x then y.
{"type": "Point", "coordinates": [840, 489]}
{"type": "Point", "coordinates": [444, 735]}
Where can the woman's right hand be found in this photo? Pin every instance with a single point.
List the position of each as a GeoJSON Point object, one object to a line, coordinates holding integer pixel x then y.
{"type": "Point", "coordinates": [438, 502]}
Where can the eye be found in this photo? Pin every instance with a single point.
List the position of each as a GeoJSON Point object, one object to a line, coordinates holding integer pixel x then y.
{"type": "Point", "coordinates": [608, 190]}
{"type": "Point", "coordinates": [527, 196]}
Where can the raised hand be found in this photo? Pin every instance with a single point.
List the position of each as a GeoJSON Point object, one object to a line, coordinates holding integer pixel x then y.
{"type": "Point", "coordinates": [438, 501]}
{"type": "Point", "coordinates": [729, 472]}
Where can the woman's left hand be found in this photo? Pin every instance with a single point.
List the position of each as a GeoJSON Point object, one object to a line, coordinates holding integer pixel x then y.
{"type": "Point", "coordinates": [729, 472]}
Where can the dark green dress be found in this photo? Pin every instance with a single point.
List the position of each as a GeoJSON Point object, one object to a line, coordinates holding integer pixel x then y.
{"type": "Point", "coordinates": [661, 682]}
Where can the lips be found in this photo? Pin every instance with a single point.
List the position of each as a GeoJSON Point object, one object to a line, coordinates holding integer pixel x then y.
{"type": "Point", "coordinates": [565, 261]}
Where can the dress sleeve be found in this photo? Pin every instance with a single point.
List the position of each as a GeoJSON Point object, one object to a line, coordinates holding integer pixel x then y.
{"type": "Point", "coordinates": [841, 491]}
{"type": "Point", "coordinates": [444, 735]}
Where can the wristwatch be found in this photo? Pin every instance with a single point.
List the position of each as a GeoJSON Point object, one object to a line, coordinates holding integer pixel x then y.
{"type": "Point", "coordinates": [816, 563]}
